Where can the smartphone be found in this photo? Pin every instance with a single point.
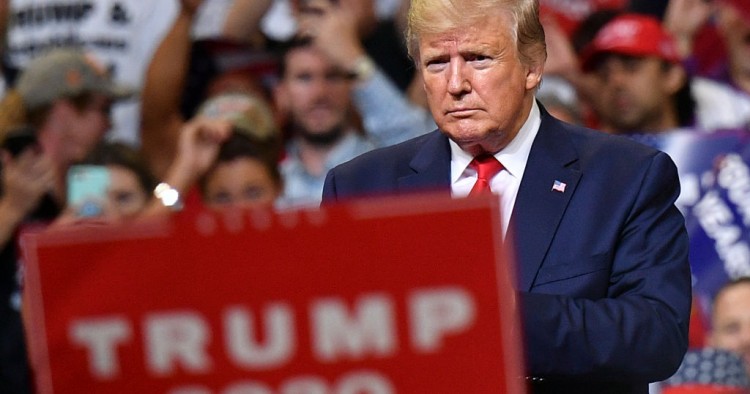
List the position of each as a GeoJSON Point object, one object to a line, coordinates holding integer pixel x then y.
{"type": "Point", "coordinates": [19, 139]}
{"type": "Point", "coordinates": [87, 189]}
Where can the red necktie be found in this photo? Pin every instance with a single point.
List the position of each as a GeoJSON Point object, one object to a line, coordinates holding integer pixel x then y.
{"type": "Point", "coordinates": [487, 167]}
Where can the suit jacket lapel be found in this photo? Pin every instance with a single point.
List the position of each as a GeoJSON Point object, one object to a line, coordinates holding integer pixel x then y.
{"type": "Point", "coordinates": [538, 208]}
{"type": "Point", "coordinates": [431, 165]}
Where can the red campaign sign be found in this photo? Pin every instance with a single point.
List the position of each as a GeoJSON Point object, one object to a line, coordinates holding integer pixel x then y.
{"type": "Point", "coordinates": [372, 297]}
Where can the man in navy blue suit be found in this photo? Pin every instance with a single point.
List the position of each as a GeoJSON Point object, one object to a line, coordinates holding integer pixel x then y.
{"type": "Point", "coordinates": [601, 250]}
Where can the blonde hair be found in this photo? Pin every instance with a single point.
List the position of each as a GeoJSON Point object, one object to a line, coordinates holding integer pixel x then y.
{"type": "Point", "coordinates": [12, 113]}
{"type": "Point", "coordinates": [437, 16]}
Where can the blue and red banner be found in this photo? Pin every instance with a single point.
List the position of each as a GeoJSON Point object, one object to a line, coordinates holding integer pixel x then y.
{"type": "Point", "coordinates": [714, 171]}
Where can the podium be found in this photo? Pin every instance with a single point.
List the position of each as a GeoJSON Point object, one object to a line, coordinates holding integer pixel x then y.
{"type": "Point", "coordinates": [395, 295]}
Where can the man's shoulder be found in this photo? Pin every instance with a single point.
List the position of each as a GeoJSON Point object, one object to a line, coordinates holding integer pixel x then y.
{"type": "Point", "coordinates": [596, 145]}
{"type": "Point", "coordinates": [719, 105]}
{"type": "Point", "coordinates": [400, 152]}
{"type": "Point", "coordinates": [420, 163]}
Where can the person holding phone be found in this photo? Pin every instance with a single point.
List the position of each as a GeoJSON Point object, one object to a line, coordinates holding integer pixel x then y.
{"type": "Point", "coordinates": [230, 160]}
{"type": "Point", "coordinates": [64, 97]}
{"type": "Point", "coordinates": [112, 185]}
{"type": "Point", "coordinates": [130, 180]}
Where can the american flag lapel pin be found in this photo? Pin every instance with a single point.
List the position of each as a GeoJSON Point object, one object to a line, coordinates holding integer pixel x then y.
{"type": "Point", "coordinates": [559, 186]}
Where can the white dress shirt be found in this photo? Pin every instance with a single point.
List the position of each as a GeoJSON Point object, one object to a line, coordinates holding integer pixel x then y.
{"type": "Point", "coordinates": [513, 158]}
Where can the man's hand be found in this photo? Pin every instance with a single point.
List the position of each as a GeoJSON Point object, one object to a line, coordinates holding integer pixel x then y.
{"type": "Point", "coordinates": [197, 148]}
{"type": "Point", "coordinates": [26, 179]}
{"type": "Point", "coordinates": [334, 30]}
{"type": "Point", "coordinates": [684, 18]}
{"type": "Point", "coordinates": [190, 6]}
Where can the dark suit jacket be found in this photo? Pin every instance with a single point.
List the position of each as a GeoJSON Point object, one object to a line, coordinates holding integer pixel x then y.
{"type": "Point", "coordinates": [603, 273]}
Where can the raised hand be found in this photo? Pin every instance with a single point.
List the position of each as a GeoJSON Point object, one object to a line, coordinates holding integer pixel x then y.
{"type": "Point", "coordinates": [199, 143]}
{"type": "Point", "coordinates": [334, 29]}
{"type": "Point", "coordinates": [26, 179]}
{"type": "Point", "coordinates": [684, 18]}
{"type": "Point", "coordinates": [190, 6]}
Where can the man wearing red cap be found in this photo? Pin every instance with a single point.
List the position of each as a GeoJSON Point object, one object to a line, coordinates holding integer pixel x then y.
{"type": "Point", "coordinates": [637, 68]}
{"type": "Point", "coordinates": [643, 87]}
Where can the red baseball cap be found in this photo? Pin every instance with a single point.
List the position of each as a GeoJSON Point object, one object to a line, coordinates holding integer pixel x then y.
{"type": "Point", "coordinates": [633, 35]}
{"type": "Point", "coordinates": [742, 6]}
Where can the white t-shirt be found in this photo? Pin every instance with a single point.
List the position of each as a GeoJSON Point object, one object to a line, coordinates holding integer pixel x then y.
{"type": "Point", "coordinates": [279, 23]}
{"type": "Point", "coordinates": [212, 16]}
{"type": "Point", "coordinates": [719, 106]}
{"type": "Point", "coordinates": [121, 34]}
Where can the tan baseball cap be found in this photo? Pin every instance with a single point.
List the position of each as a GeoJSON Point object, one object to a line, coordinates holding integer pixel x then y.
{"type": "Point", "coordinates": [63, 73]}
{"type": "Point", "coordinates": [248, 113]}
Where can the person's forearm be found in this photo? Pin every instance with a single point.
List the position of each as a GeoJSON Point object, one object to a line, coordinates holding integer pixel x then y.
{"type": "Point", "coordinates": [165, 81]}
{"type": "Point", "coordinates": [179, 180]}
{"type": "Point", "coordinates": [628, 339]}
{"type": "Point", "coordinates": [166, 73]}
{"type": "Point", "coordinates": [388, 116]}
{"type": "Point", "coordinates": [243, 19]}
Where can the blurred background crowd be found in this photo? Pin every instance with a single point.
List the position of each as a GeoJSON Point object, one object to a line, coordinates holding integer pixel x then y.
{"type": "Point", "coordinates": [251, 102]}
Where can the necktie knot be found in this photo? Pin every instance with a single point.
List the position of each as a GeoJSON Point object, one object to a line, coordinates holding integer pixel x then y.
{"type": "Point", "coordinates": [487, 167]}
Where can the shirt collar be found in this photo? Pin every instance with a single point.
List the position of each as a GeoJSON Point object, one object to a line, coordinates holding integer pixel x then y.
{"type": "Point", "coordinates": [513, 157]}
{"type": "Point", "coordinates": [346, 148]}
